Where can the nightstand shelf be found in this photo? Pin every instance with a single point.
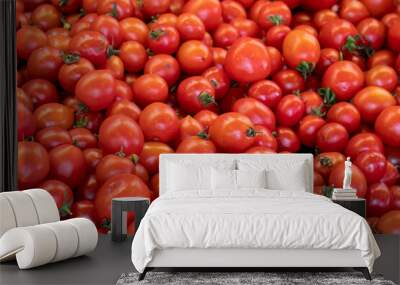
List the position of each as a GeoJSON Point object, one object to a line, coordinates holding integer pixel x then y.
{"type": "Point", "coordinates": [358, 205]}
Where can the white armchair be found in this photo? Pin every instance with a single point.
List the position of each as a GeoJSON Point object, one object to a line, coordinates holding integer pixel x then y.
{"type": "Point", "coordinates": [31, 230]}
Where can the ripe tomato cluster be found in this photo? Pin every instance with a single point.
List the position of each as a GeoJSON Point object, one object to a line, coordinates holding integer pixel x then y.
{"type": "Point", "coordinates": [106, 86]}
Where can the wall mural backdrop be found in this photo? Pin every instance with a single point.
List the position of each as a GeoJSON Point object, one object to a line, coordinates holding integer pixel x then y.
{"type": "Point", "coordinates": [106, 86]}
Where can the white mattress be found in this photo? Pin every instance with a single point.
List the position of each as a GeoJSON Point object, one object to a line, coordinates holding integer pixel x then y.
{"type": "Point", "coordinates": [251, 219]}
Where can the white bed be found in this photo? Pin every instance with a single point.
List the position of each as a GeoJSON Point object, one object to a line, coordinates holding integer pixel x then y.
{"type": "Point", "coordinates": [249, 226]}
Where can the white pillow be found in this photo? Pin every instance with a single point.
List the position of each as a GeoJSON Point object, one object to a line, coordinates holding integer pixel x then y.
{"type": "Point", "coordinates": [223, 179]}
{"type": "Point", "coordinates": [280, 180]}
{"type": "Point", "coordinates": [251, 178]}
{"type": "Point", "coordinates": [182, 177]}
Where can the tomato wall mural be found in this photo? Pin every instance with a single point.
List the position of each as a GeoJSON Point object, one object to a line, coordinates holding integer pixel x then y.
{"type": "Point", "coordinates": [106, 86]}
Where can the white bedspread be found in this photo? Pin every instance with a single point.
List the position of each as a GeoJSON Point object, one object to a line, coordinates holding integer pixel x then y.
{"type": "Point", "coordinates": [252, 218]}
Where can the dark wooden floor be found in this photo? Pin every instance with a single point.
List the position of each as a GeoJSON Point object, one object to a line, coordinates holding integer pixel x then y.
{"type": "Point", "coordinates": [110, 260]}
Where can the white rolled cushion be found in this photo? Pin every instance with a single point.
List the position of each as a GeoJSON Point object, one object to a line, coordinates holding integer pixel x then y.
{"type": "Point", "coordinates": [87, 235]}
{"type": "Point", "coordinates": [40, 244]}
{"type": "Point", "coordinates": [45, 205]}
{"type": "Point", "coordinates": [251, 178]}
{"type": "Point", "coordinates": [183, 178]}
{"type": "Point", "coordinates": [278, 180]}
{"type": "Point", "coordinates": [223, 179]}
{"type": "Point", "coordinates": [7, 218]}
{"type": "Point", "coordinates": [23, 208]}
{"type": "Point", "coordinates": [33, 246]}
{"type": "Point", "coordinates": [67, 240]}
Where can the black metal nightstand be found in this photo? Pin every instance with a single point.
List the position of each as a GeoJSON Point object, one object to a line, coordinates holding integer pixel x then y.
{"type": "Point", "coordinates": [358, 205]}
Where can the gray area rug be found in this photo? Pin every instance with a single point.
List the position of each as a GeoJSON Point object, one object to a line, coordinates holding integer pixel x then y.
{"type": "Point", "coordinates": [243, 278]}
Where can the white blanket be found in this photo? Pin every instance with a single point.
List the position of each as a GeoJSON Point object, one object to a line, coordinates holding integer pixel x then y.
{"type": "Point", "coordinates": [251, 218]}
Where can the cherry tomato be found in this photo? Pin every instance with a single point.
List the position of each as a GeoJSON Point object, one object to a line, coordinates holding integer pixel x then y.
{"type": "Point", "coordinates": [195, 144]}
{"type": "Point", "coordinates": [195, 94]}
{"type": "Point", "coordinates": [308, 129]}
{"type": "Point", "coordinates": [209, 12]}
{"type": "Point", "coordinates": [120, 133]}
{"type": "Point", "coordinates": [134, 29]}
{"type": "Point", "coordinates": [40, 91]}
{"type": "Point", "coordinates": [150, 88]}
{"type": "Point", "coordinates": [345, 114]}
{"type": "Point", "coordinates": [33, 164]}
{"type": "Point", "coordinates": [44, 63]}
{"type": "Point", "coordinates": [125, 107]}
{"type": "Point", "coordinates": [218, 79]}
{"type": "Point", "coordinates": [28, 39]}
{"type": "Point", "coordinates": [318, 5]}
{"type": "Point", "coordinates": [120, 9]}
{"type": "Point", "coordinates": [163, 39]}
{"type": "Point", "coordinates": [165, 66]}
{"type": "Point", "coordinates": [335, 33]}
{"type": "Point", "coordinates": [378, 8]}
{"type": "Point", "coordinates": [276, 35]}
{"type": "Point", "coordinates": [363, 142]}
{"type": "Point", "coordinates": [232, 10]}
{"type": "Point", "coordinates": [150, 154]}
{"type": "Point", "coordinates": [324, 162]}
{"type": "Point", "coordinates": [260, 149]}
{"type": "Point", "coordinates": [62, 195]}
{"type": "Point", "coordinates": [96, 89]}
{"type": "Point", "coordinates": [91, 45]}
{"type": "Point", "coordinates": [112, 165]}
{"type": "Point", "coordinates": [276, 59]}
{"type": "Point", "coordinates": [358, 180]}
{"type": "Point", "coordinates": [72, 70]}
{"type": "Point", "coordinates": [344, 78]}
{"type": "Point", "coordinates": [373, 32]}
{"type": "Point", "coordinates": [389, 223]}
{"type": "Point", "coordinates": [332, 137]}
{"type": "Point", "coordinates": [232, 132]}
{"type": "Point", "coordinates": [53, 136]}
{"type": "Point", "coordinates": [46, 16]}
{"type": "Point", "coordinates": [274, 13]}
{"type": "Point", "coordinates": [391, 175]}
{"type": "Point", "coordinates": [154, 7]}
{"type": "Point", "coordinates": [247, 60]}
{"type": "Point", "coordinates": [84, 209]}
{"type": "Point", "coordinates": [353, 11]}
{"type": "Point", "coordinates": [287, 140]}
{"type": "Point", "coordinates": [381, 76]}
{"type": "Point", "coordinates": [83, 138]}
{"type": "Point", "coordinates": [395, 191]}
{"type": "Point", "coordinates": [159, 122]}
{"type": "Point", "coordinates": [205, 118]}
{"type": "Point", "coordinates": [289, 81]}
{"type": "Point", "coordinates": [372, 164]}
{"type": "Point", "coordinates": [290, 110]}
{"type": "Point", "coordinates": [194, 57]}
{"type": "Point", "coordinates": [387, 126]}
{"type": "Point", "coordinates": [265, 138]}
{"type": "Point", "coordinates": [133, 55]}
{"type": "Point", "coordinates": [188, 127]}
{"type": "Point", "coordinates": [190, 27]}
{"type": "Point", "coordinates": [379, 200]}
{"type": "Point", "coordinates": [54, 115]}
{"type": "Point", "coordinates": [266, 91]}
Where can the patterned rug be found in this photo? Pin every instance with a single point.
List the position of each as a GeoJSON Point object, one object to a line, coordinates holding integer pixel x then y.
{"type": "Point", "coordinates": [253, 278]}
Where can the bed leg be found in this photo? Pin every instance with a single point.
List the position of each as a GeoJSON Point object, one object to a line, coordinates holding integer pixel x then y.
{"type": "Point", "coordinates": [365, 272]}
{"type": "Point", "coordinates": [143, 274]}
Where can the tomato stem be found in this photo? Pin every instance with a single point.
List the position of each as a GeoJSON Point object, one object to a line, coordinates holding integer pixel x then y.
{"type": "Point", "coordinates": [327, 191]}
{"type": "Point", "coordinates": [65, 210]}
{"type": "Point", "coordinates": [155, 34]}
{"type": "Point", "coordinates": [62, 2]}
{"type": "Point", "coordinates": [355, 45]}
{"type": "Point", "coordinates": [82, 12]}
{"type": "Point", "coordinates": [203, 135]}
{"type": "Point", "coordinates": [325, 161]}
{"type": "Point", "coordinates": [329, 97]}
{"type": "Point", "coordinates": [275, 19]}
{"type": "Point", "coordinates": [305, 68]}
{"type": "Point", "coordinates": [214, 83]}
{"type": "Point", "coordinates": [114, 11]}
{"type": "Point", "coordinates": [70, 58]}
{"type": "Point", "coordinates": [134, 158]}
{"type": "Point", "coordinates": [251, 132]}
{"type": "Point", "coordinates": [65, 23]}
{"type": "Point", "coordinates": [111, 51]}
{"type": "Point", "coordinates": [318, 111]}
{"type": "Point", "coordinates": [206, 99]}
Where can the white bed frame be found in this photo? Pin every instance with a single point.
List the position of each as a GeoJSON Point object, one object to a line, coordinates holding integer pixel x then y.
{"type": "Point", "coordinates": [250, 258]}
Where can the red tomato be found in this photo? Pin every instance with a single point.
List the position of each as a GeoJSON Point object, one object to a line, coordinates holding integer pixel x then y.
{"type": "Point", "coordinates": [334, 33]}
{"type": "Point", "coordinates": [26, 122]}
{"type": "Point", "coordinates": [225, 35]}
{"type": "Point", "coordinates": [195, 144]}
{"type": "Point", "coordinates": [247, 60]}
{"type": "Point", "coordinates": [266, 91]}
{"type": "Point", "coordinates": [327, 57]}
{"type": "Point", "coordinates": [387, 126]}
{"type": "Point", "coordinates": [110, 28]}
{"type": "Point", "coordinates": [33, 164]}
{"type": "Point", "coordinates": [133, 55]}
{"type": "Point", "coordinates": [257, 112]}
{"type": "Point", "coordinates": [218, 79]}
{"type": "Point", "coordinates": [209, 12]}
{"type": "Point", "coordinates": [378, 8]}
{"type": "Point", "coordinates": [84, 209]}
{"type": "Point", "coordinates": [44, 63]}
{"type": "Point", "coordinates": [382, 76]}
{"type": "Point", "coordinates": [112, 165]}
{"type": "Point", "coordinates": [358, 180]}
{"type": "Point", "coordinates": [389, 223]}
{"type": "Point", "coordinates": [96, 89]}
{"type": "Point", "coordinates": [276, 35]}
{"type": "Point", "coordinates": [83, 138]}
{"type": "Point", "coordinates": [159, 122]}
{"type": "Point", "coordinates": [91, 45]}
{"type": "Point", "coordinates": [301, 51]}
{"type": "Point", "coordinates": [165, 66]}
{"type": "Point", "coordinates": [344, 78]}
{"type": "Point", "coordinates": [88, 189]}
{"type": "Point", "coordinates": [123, 91]}
{"type": "Point", "coordinates": [150, 88]}
{"type": "Point", "coordinates": [274, 13]}
{"type": "Point", "coordinates": [92, 157]}
{"type": "Point", "coordinates": [163, 39]}
{"type": "Point", "coordinates": [46, 16]}
{"type": "Point", "coordinates": [372, 164]}
{"type": "Point", "coordinates": [382, 57]}
{"type": "Point", "coordinates": [290, 110]}
{"type": "Point", "coordinates": [190, 27]}
{"type": "Point", "coordinates": [287, 140]}
{"type": "Point", "coordinates": [189, 127]}
{"type": "Point", "coordinates": [150, 154]}
{"type": "Point", "coordinates": [391, 175]}
{"type": "Point", "coordinates": [125, 107]}
{"type": "Point", "coordinates": [40, 91]}
{"type": "Point", "coordinates": [395, 191]}
{"type": "Point", "coordinates": [120, 133]}
{"type": "Point", "coordinates": [394, 37]}
{"type": "Point", "coordinates": [205, 118]}
{"type": "Point", "coordinates": [332, 137]}
{"type": "Point", "coordinates": [260, 149]}
{"type": "Point", "coordinates": [24, 99]}
{"type": "Point", "coordinates": [195, 94]}
{"type": "Point", "coordinates": [194, 57]}
{"type": "Point", "coordinates": [363, 142]}
{"type": "Point", "coordinates": [308, 129]}
{"type": "Point", "coordinates": [123, 185]}
{"type": "Point", "coordinates": [67, 164]}
{"type": "Point", "coordinates": [72, 70]}
{"type": "Point", "coordinates": [373, 32]}
{"type": "Point", "coordinates": [154, 7]}
{"type": "Point", "coordinates": [379, 200]}
{"type": "Point", "coordinates": [371, 101]}
{"type": "Point", "coordinates": [289, 81]}
{"type": "Point", "coordinates": [232, 132]}
{"type": "Point", "coordinates": [54, 115]}
{"type": "Point", "coordinates": [318, 5]}
{"type": "Point", "coordinates": [324, 162]}
{"type": "Point", "coordinates": [232, 10]}
{"type": "Point", "coordinates": [134, 29]}
{"type": "Point", "coordinates": [276, 59]}
{"type": "Point", "coordinates": [119, 9]}
{"type": "Point", "coordinates": [353, 11]}
{"type": "Point", "coordinates": [53, 136]}
{"type": "Point", "coordinates": [28, 39]}
{"type": "Point", "coordinates": [62, 195]}
{"type": "Point", "coordinates": [265, 138]}
{"type": "Point", "coordinates": [345, 114]}
{"type": "Point", "coordinates": [219, 55]}
{"type": "Point", "coordinates": [313, 103]}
